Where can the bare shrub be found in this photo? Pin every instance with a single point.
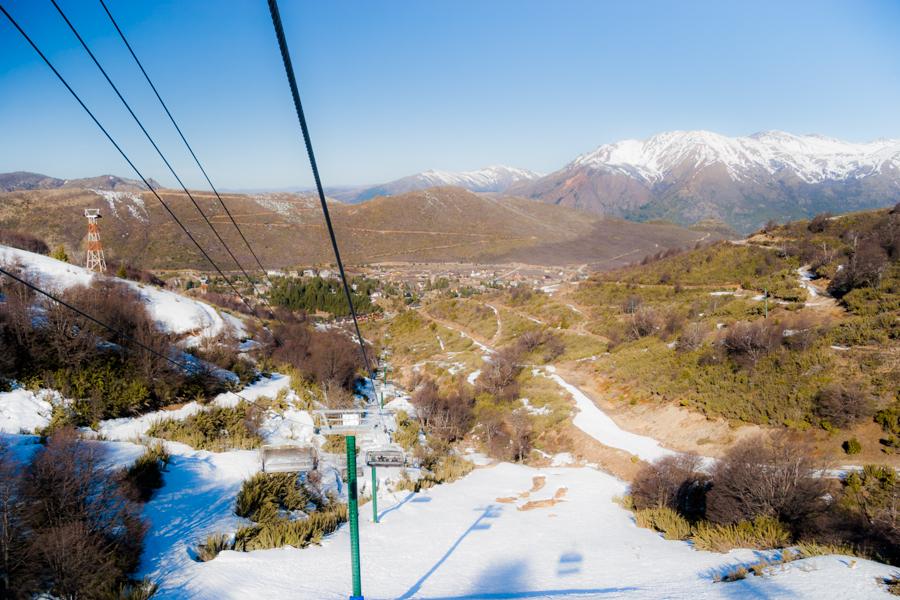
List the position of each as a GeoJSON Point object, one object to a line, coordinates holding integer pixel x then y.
{"type": "Point", "coordinates": [554, 347]}
{"type": "Point", "coordinates": [528, 341]}
{"type": "Point", "coordinates": [865, 269]}
{"type": "Point", "coordinates": [498, 378]}
{"type": "Point", "coordinates": [759, 477]}
{"type": "Point", "coordinates": [692, 337]}
{"type": "Point", "coordinates": [819, 223]}
{"type": "Point", "coordinates": [520, 431]}
{"type": "Point", "coordinates": [644, 321]}
{"type": "Point", "coordinates": [674, 482]}
{"type": "Point", "coordinates": [750, 341]}
{"type": "Point", "coordinates": [322, 356]}
{"type": "Point", "coordinates": [841, 405]}
{"type": "Point", "coordinates": [23, 241]}
{"type": "Point", "coordinates": [672, 323]}
{"type": "Point", "coordinates": [84, 535]}
{"type": "Point", "coordinates": [14, 559]}
{"type": "Point", "coordinates": [446, 417]}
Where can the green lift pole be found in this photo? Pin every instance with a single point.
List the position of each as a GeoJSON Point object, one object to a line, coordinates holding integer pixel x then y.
{"type": "Point", "coordinates": [353, 517]}
{"type": "Point", "coordinates": [374, 496]}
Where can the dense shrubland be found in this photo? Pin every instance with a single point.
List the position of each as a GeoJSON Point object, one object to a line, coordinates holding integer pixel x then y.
{"type": "Point", "coordinates": [68, 525]}
{"type": "Point", "coordinates": [217, 428]}
{"type": "Point", "coordinates": [43, 343]}
{"type": "Point", "coordinates": [23, 241]}
{"type": "Point", "coordinates": [714, 351]}
{"type": "Point", "coordinates": [769, 493]}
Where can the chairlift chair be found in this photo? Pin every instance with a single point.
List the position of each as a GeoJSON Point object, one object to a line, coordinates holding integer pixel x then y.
{"type": "Point", "coordinates": [288, 458]}
{"type": "Point", "coordinates": [385, 456]}
{"type": "Point", "coordinates": [349, 421]}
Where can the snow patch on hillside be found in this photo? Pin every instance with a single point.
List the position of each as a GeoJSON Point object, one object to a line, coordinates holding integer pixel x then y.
{"type": "Point", "coordinates": [173, 312]}
{"type": "Point", "coordinates": [25, 411]}
{"type": "Point", "coordinates": [130, 200]}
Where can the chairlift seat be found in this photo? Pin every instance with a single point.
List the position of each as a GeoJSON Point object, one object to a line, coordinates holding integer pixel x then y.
{"type": "Point", "coordinates": [288, 458]}
{"type": "Point", "coordinates": [385, 456]}
{"type": "Point", "coordinates": [349, 421]}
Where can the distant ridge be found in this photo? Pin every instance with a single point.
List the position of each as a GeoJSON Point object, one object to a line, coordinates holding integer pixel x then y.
{"type": "Point", "coordinates": [496, 178]}
{"type": "Point", "coordinates": [25, 180]}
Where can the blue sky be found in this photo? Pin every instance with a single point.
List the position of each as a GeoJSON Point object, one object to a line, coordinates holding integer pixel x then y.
{"type": "Point", "coordinates": [395, 87]}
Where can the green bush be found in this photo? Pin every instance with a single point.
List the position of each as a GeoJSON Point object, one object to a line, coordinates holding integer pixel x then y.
{"type": "Point", "coordinates": [102, 389]}
{"type": "Point", "coordinates": [852, 446]}
{"type": "Point", "coordinates": [138, 590]}
{"type": "Point", "coordinates": [664, 520]}
{"type": "Point", "coordinates": [265, 495]}
{"type": "Point", "coordinates": [407, 434]}
{"type": "Point", "coordinates": [216, 429]}
{"type": "Point", "coordinates": [298, 534]}
{"type": "Point", "coordinates": [145, 475]}
{"type": "Point", "coordinates": [762, 533]}
{"type": "Point", "coordinates": [214, 544]}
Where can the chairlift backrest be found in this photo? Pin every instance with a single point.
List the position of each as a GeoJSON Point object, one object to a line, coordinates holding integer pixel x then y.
{"type": "Point", "coordinates": [349, 421]}
{"type": "Point", "coordinates": [385, 456]}
{"type": "Point", "coordinates": [288, 459]}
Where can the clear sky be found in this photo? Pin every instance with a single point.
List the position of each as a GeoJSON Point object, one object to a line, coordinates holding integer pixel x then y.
{"type": "Point", "coordinates": [395, 87]}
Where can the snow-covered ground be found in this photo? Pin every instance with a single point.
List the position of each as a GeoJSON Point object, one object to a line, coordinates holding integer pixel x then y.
{"type": "Point", "coordinates": [479, 538]}
{"type": "Point", "coordinates": [504, 531]}
{"type": "Point", "coordinates": [597, 424]}
{"type": "Point", "coordinates": [24, 411]}
{"type": "Point", "coordinates": [174, 313]}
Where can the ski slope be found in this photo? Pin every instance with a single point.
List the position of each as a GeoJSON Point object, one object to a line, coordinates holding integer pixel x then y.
{"type": "Point", "coordinates": [504, 531]}
{"type": "Point", "coordinates": [468, 540]}
{"type": "Point", "coordinates": [174, 313]}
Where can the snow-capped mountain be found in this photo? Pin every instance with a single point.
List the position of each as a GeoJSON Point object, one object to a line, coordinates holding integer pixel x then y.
{"type": "Point", "coordinates": [495, 178]}
{"type": "Point", "coordinates": [686, 176]}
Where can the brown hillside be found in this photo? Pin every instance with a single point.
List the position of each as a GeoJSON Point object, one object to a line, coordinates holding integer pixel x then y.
{"type": "Point", "coordinates": [438, 224]}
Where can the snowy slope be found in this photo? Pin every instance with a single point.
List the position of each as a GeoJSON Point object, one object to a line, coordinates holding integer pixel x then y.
{"type": "Point", "coordinates": [476, 538]}
{"type": "Point", "coordinates": [812, 158]}
{"type": "Point", "coordinates": [174, 313]}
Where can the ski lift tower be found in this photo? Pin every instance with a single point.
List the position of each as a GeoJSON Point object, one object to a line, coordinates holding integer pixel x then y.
{"type": "Point", "coordinates": [95, 259]}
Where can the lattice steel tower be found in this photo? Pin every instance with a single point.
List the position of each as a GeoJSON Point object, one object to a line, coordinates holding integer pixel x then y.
{"type": "Point", "coordinates": [95, 259]}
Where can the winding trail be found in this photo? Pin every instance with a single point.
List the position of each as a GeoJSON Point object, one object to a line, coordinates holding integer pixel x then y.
{"type": "Point", "coordinates": [588, 416]}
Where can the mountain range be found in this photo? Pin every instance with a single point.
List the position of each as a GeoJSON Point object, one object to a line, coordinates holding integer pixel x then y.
{"type": "Point", "coordinates": [686, 176]}
{"type": "Point", "coordinates": [690, 176]}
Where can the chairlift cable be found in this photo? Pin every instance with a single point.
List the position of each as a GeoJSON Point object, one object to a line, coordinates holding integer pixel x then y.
{"type": "Point", "coordinates": [150, 139]}
{"type": "Point", "coordinates": [292, 81]}
{"type": "Point", "coordinates": [184, 139]}
{"type": "Point", "coordinates": [124, 155]}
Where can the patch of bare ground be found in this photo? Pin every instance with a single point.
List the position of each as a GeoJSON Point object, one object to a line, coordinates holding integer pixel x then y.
{"type": "Point", "coordinates": [545, 503]}
{"type": "Point", "coordinates": [673, 426]}
{"type": "Point", "coordinates": [828, 445]}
